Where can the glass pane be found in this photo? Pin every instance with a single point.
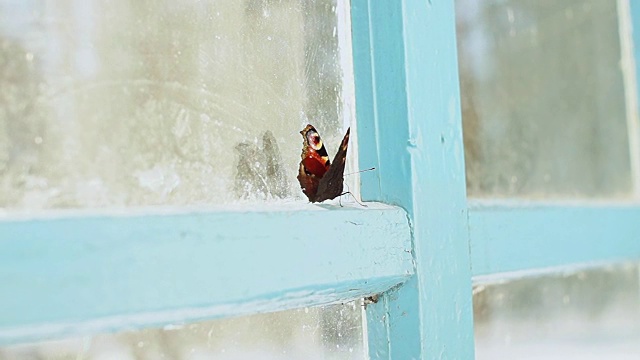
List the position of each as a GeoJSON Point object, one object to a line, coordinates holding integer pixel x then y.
{"type": "Point", "coordinates": [145, 102]}
{"type": "Point", "coordinates": [590, 314]}
{"type": "Point", "coordinates": [543, 98]}
{"type": "Point", "coordinates": [333, 332]}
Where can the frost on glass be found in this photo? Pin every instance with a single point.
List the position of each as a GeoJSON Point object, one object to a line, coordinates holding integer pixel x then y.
{"type": "Point", "coordinates": [332, 332]}
{"type": "Point", "coordinates": [581, 314]}
{"type": "Point", "coordinates": [144, 102]}
{"type": "Point", "coordinates": [543, 99]}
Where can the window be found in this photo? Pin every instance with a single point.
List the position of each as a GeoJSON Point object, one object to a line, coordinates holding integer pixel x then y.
{"type": "Point", "coordinates": [165, 112]}
{"type": "Point", "coordinates": [550, 122]}
{"type": "Point", "coordinates": [439, 249]}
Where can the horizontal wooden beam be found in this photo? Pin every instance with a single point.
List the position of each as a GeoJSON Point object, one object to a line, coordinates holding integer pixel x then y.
{"type": "Point", "coordinates": [80, 274]}
{"type": "Point", "coordinates": [512, 236]}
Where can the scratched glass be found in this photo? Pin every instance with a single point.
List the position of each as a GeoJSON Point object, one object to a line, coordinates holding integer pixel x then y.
{"type": "Point", "coordinates": [577, 314]}
{"type": "Point", "coordinates": [332, 332]}
{"type": "Point", "coordinates": [543, 98]}
{"type": "Point", "coordinates": [141, 102]}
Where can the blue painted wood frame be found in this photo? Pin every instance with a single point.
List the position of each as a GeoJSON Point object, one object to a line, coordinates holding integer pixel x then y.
{"type": "Point", "coordinates": [408, 100]}
{"type": "Point", "coordinates": [79, 275]}
{"type": "Point", "coordinates": [405, 72]}
{"type": "Point", "coordinates": [516, 236]}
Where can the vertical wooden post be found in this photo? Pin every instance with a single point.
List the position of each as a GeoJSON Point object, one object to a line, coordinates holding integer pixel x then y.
{"type": "Point", "coordinates": [409, 126]}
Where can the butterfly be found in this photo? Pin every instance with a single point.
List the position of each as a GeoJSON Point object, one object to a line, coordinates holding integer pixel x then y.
{"type": "Point", "coordinates": [320, 179]}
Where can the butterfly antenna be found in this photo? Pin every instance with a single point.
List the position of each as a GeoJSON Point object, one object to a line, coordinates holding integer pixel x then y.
{"type": "Point", "coordinates": [361, 171]}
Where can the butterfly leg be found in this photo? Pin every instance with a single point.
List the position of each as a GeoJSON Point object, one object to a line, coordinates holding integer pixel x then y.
{"type": "Point", "coordinates": [354, 198]}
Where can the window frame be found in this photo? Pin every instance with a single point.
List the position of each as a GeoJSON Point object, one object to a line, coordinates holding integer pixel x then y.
{"type": "Point", "coordinates": [412, 110]}
{"type": "Point", "coordinates": [415, 42]}
{"type": "Point", "coordinates": [418, 245]}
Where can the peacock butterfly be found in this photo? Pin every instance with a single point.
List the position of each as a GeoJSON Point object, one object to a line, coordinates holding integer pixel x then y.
{"type": "Point", "coordinates": [320, 179]}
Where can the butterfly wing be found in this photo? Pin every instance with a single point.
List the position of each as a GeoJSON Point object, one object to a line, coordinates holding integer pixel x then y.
{"type": "Point", "coordinates": [331, 184]}
{"type": "Point", "coordinates": [314, 164]}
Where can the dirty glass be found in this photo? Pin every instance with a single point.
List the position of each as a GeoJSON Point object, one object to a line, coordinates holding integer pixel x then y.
{"type": "Point", "coordinates": [332, 332]}
{"type": "Point", "coordinates": [543, 98]}
{"type": "Point", "coordinates": [142, 102]}
{"type": "Point", "coordinates": [576, 314]}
